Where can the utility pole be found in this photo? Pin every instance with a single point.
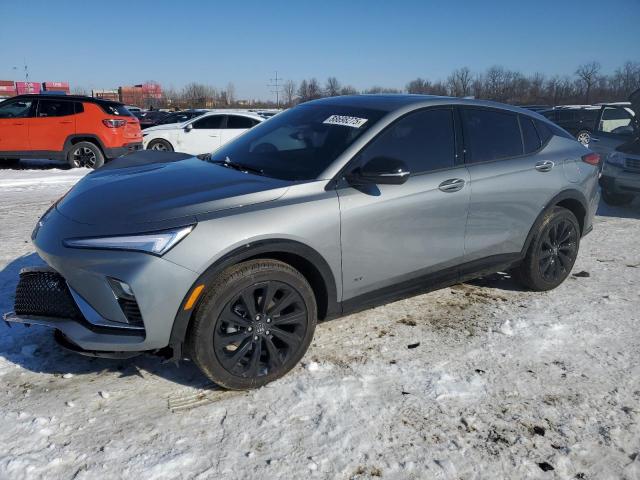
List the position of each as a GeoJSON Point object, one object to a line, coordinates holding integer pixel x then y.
{"type": "Point", "coordinates": [275, 84]}
{"type": "Point", "coordinates": [26, 71]}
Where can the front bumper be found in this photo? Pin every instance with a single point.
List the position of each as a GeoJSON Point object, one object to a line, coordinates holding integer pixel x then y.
{"type": "Point", "coordinates": [159, 287]}
{"type": "Point", "coordinates": [119, 151]}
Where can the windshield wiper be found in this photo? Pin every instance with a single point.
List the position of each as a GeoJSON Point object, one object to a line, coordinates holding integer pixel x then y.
{"type": "Point", "coordinates": [227, 162]}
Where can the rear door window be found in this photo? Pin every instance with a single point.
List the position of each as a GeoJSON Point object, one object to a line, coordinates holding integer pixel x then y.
{"type": "Point", "coordinates": [55, 108]}
{"type": "Point", "coordinates": [490, 135]}
{"type": "Point", "coordinates": [424, 140]}
{"type": "Point", "coordinates": [212, 122]}
{"type": "Point", "coordinates": [238, 122]}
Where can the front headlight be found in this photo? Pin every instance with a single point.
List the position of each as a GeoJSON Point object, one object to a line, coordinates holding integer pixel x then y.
{"type": "Point", "coordinates": [616, 158]}
{"type": "Point", "coordinates": [156, 243]}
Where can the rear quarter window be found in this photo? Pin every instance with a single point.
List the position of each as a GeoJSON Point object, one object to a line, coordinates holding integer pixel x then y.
{"type": "Point", "coordinates": [115, 109]}
{"type": "Point", "coordinates": [491, 135]}
{"type": "Point", "coordinates": [530, 136]}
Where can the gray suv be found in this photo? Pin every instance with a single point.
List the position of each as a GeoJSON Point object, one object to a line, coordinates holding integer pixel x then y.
{"type": "Point", "coordinates": [333, 206]}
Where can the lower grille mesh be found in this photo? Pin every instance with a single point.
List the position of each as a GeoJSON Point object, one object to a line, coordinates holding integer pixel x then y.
{"type": "Point", "coordinates": [45, 294]}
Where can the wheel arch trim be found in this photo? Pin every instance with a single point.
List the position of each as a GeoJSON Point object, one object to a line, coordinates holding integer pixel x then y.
{"type": "Point", "coordinates": [561, 199]}
{"type": "Point", "coordinates": [277, 249]}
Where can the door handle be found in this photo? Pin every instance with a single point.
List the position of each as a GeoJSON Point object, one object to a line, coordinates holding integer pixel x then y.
{"type": "Point", "coordinates": [18, 123]}
{"type": "Point", "coordinates": [451, 185]}
{"type": "Point", "coordinates": [545, 166]}
{"type": "Point", "coordinates": [66, 122]}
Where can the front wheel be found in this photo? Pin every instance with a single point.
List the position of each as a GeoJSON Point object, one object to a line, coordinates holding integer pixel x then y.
{"type": "Point", "coordinates": [160, 145]}
{"type": "Point", "coordinates": [254, 325]}
{"type": "Point", "coordinates": [85, 154]}
{"type": "Point", "coordinates": [552, 252]}
{"type": "Point", "coordinates": [616, 199]}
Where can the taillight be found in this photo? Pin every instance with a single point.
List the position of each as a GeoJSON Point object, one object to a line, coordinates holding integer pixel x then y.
{"type": "Point", "coordinates": [111, 123]}
{"type": "Point", "coordinates": [591, 158]}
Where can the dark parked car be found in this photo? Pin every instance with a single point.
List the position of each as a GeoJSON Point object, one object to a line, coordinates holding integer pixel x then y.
{"type": "Point", "coordinates": [150, 118]}
{"type": "Point", "coordinates": [183, 116]}
{"type": "Point", "coordinates": [578, 121]}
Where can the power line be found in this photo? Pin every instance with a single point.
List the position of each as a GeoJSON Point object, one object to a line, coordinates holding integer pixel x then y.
{"type": "Point", "coordinates": [275, 84]}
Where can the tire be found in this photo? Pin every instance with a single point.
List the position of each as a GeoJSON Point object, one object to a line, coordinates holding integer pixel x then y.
{"type": "Point", "coordinates": [584, 137]}
{"type": "Point", "coordinates": [238, 342]}
{"type": "Point", "coordinates": [552, 252]}
{"type": "Point", "coordinates": [85, 154]}
{"type": "Point", "coordinates": [160, 144]}
{"type": "Point", "coordinates": [616, 199]}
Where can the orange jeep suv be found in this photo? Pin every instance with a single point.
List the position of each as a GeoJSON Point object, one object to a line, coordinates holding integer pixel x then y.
{"type": "Point", "coordinates": [83, 131]}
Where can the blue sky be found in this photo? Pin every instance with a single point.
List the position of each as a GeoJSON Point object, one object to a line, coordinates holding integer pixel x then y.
{"type": "Point", "coordinates": [103, 44]}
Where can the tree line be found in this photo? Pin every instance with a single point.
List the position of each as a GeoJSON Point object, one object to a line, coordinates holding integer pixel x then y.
{"type": "Point", "coordinates": [586, 86]}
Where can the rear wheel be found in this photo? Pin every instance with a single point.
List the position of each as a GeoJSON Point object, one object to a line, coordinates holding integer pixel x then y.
{"type": "Point", "coordinates": [160, 145]}
{"type": "Point", "coordinates": [85, 154]}
{"type": "Point", "coordinates": [552, 253]}
{"type": "Point", "coordinates": [254, 325]}
{"type": "Point", "coordinates": [616, 199]}
{"type": "Point", "coordinates": [584, 137]}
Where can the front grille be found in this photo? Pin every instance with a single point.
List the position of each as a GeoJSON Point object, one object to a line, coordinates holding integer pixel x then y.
{"type": "Point", "coordinates": [131, 311]}
{"type": "Point", "coordinates": [45, 294]}
{"type": "Point", "coordinates": [632, 163]}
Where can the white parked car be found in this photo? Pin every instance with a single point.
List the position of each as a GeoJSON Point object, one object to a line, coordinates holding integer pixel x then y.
{"type": "Point", "coordinates": [202, 134]}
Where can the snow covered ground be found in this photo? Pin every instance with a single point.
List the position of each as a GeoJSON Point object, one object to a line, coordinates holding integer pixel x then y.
{"type": "Point", "coordinates": [477, 381]}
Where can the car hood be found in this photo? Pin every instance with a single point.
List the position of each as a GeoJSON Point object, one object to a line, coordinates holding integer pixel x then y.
{"type": "Point", "coordinates": [149, 187]}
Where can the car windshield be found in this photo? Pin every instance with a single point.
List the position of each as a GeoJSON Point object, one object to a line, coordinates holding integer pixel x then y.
{"type": "Point", "coordinates": [301, 143]}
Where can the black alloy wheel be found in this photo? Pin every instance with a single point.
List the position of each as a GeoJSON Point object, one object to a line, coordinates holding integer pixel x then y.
{"type": "Point", "coordinates": [558, 250]}
{"type": "Point", "coordinates": [254, 324]}
{"type": "Point", "coordinates": [260, 329]}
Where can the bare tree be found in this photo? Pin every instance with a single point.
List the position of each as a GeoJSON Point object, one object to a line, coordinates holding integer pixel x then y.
{"type": "Point", "coordinates": [332, 87]}
{"type": "Point", "coordinates": [348, 90]}
{"type": "Point", "coordinates": [78, 90]}
{"type": "Point", "coordinates": [588, 76]}
{"type": "Point", "coordinates": [460, 82]}
{"type": "Point", "coordinates": [289, 92]}
{"type": "Point", "coordinates": [419, 86]}
{"type": "Point", "coordinates": [314, 89]}
{"type": "Point", "coordinates": [231, 93]}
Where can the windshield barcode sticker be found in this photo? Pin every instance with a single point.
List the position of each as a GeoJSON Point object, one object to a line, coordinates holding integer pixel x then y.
{"type": "Point", "coordinates": [345, 121]}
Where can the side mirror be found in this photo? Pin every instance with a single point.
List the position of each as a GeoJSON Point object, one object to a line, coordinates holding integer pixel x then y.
{"type": "Point", "coordinates": [188, 128]}
{"type": "Point", "coordinates": [381, 171]}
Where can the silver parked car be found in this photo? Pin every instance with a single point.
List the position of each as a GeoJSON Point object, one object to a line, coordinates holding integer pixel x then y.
{"type": "Point", "coordinates": [618, 142]}
{"type": "Point", "coordinates": [330, 207]}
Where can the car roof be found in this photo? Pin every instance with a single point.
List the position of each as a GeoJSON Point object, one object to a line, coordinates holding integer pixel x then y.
{"type": "Point", "coordinates": [230, 112]}
{"type": "Point", "coordinates": [393, 102]}
{"type": "Point", "coordinates": [77, 98]}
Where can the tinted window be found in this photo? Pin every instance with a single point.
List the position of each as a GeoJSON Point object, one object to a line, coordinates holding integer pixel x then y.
{"type": "Point", "coordinates": [300, 143]}
{"type": "Point", "coordinates": [15, 109]}
{"type": "Point", "coordinates": [210, 122]}
{"type": "Point", "coordinates": [424, 140]}
{"type": "Point", "coordinates": [491, 135]}
{"type": "Point", "coordinates": [113, 108]}
{"type": "Point", "coordinates": [529, 135]}
{"type": "Point", "coordinates": [236, 121]}
{"type": "Point", "coordinates": [566, 115]}
{"type": "Point", "coordinates": [79, 108]}
{"type": "Point", "coordinates": [55, 108]}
